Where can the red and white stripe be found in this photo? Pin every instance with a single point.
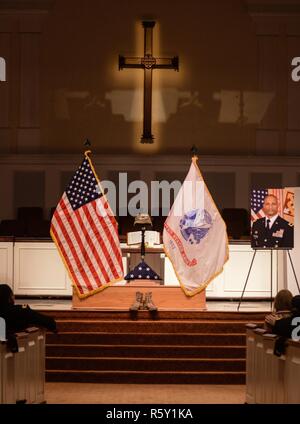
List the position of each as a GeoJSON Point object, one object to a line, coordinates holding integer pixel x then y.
{"type": "Point", "coordinates": [255, 216]}
{"type": "Point", "coordinates": [89, 244]}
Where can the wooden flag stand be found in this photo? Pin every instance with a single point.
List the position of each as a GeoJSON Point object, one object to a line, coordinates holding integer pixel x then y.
{"type": "Point", "coordinates": [120, 298]}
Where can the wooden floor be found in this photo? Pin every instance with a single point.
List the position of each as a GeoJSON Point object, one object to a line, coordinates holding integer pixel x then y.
{"type": "Point", "coordinates": [211, 305]}
{"type": "Point", "coordinates": [93, 393]}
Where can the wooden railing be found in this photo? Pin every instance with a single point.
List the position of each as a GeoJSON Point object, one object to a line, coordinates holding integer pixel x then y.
{"type": "Point", "coordinates": [22, 374]}
{"type": "Point", "coordinates": [271, 379]}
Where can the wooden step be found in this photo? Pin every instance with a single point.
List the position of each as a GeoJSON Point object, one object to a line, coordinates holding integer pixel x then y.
{"type": "Point", "coordinates": [159, 316]}
{"type": "Point", "coordinates": [167, 326]}
{"type": "Point", "coordinates": [146, 377]}
{"type": "Point", "coordinates": [147, 351]}
{"type": "Point", "coordinates": [145, 364]}
{"type": "Point", "coordinates": [169, 347]}
{"type": "Point", "coordinates": [236, 339]}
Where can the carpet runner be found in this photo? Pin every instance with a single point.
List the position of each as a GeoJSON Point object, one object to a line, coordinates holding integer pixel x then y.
{"type": "Point", "coordinates": [167, 347]}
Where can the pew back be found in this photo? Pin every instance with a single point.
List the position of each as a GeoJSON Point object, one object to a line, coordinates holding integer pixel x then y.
{"type": "Point", "coordinates": [22, 374]}
{"type": "Point", "coordinates": [271, 379]}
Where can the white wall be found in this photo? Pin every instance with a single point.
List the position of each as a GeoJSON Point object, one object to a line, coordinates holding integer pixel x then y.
{"type": "Point", "coordinates": [295, 253]}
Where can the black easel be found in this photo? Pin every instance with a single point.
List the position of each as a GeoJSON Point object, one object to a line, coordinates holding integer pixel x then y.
{"type": "Point", "coordinates": [253, 257]}
{"type": "Point", "coordinates": [248, 275]}
{"type": "Point", "coordinates": [271, 251]}
{"type": "Point", "coordinates": [294, 271]}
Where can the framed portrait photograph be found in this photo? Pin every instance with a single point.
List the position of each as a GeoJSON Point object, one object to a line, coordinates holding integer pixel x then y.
{"type": "Point", "coordinates": [272, 218]}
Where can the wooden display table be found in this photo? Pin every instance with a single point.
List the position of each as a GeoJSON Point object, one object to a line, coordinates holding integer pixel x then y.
{"type": "Point", "coordinates": [122, 297]}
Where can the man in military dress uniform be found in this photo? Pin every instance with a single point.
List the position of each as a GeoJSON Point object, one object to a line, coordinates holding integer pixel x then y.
{"type": "Point", "coordinates": [272, 231]}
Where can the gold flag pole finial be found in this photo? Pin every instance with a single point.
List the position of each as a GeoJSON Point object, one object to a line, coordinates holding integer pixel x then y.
{"type": "Point", "coordinates": [194, 152]}
{"type": "Point", "coordinates": [87, 146]}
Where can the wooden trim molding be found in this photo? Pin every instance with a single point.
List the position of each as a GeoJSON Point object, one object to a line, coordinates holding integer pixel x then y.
{"type": "Point", "coordinates": [17, 6]}
{"type": "Point", "coordinates": [273, 8]}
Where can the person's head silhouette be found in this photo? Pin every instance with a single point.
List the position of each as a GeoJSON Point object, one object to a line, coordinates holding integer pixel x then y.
{"type": "Point", "coordinates": [6, 296]}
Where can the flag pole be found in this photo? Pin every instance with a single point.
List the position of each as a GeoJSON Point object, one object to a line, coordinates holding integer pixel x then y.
{"type": "Point", "coordinates": [87, 147]}
{"type": "Point", "coordinates": [194, 151]}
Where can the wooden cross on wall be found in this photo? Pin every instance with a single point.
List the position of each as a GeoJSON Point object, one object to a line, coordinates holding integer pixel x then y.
{"type": "Point", "coordinates": [148, 63]}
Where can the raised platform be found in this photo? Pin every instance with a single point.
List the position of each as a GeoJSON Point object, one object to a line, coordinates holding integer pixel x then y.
{"type": "Point", "coordinates": [168, 347]}
{"type": "Point", "coordinates": [122, 297]}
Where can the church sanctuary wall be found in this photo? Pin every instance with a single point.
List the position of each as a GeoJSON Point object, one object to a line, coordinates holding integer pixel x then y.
{"type": "Point", "coordinates": [233, 94]}
{"type": "Point", "coordinates": [277, 28]}
{"type": "Point", "coordinates": [39, 180]}
{"type": "Point", "coordinates": [233, 97]}
{"type": "Point", "coordinates": [21, 24]}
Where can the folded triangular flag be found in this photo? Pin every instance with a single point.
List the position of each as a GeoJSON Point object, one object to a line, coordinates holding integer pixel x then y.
{"type": "Point", "coordinates": [142, 271]}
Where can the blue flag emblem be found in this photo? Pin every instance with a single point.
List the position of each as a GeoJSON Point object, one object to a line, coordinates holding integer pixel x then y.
{"type": "Point", "coordinates": [195, 225]}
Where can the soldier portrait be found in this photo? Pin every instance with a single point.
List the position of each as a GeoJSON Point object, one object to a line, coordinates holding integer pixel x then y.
{"type": "Point", "coordinates": [271, 231]}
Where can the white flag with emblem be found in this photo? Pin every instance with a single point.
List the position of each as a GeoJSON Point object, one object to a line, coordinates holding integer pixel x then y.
{"type": "Point", "coordinates": [195, 238]}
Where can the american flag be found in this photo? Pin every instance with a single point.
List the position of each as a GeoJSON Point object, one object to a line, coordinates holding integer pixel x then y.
{"type": "Point", "coordinates": [85, 232]}
{"type": "Point", "coordinates": [257, 201]}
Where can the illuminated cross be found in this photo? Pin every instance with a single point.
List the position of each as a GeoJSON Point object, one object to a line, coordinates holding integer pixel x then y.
{"type": "Point", "coordinates": [148, 63]}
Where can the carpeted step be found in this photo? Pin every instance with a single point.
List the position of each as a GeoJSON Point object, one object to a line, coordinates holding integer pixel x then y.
{"type": "Point", "coordinates": [166, 326]}
{"type": "Point", "coordinates": [212, 339]}
{"type": "Point", "coordinates": [214, 316]}
{"type": "Point", "coordinates": [167, 347]}
{"type": "Point", "coordinates": [146, 364]}
{"type": "Point", "coordinates": [152, 351]}
{"type": "Point", "coordinates": [142, 377]}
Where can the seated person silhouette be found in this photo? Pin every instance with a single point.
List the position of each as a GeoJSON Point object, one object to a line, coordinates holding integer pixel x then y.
{"type": "Point", "coordinates": [282, 309]}
{"type": "Point", "coordinates": [272, 231]}
{"type": "Point", "coordinates": [20, 317]}
{"type": "Point", "coordinates": [287, 328]}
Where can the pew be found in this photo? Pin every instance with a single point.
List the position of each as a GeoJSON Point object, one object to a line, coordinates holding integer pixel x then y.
{"type": "Point", "coordinates": [22, 374]}
{"type": "Point", "coordinates": [271, 379]}
{"type": "Point", "coordinates": [293, 372]}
